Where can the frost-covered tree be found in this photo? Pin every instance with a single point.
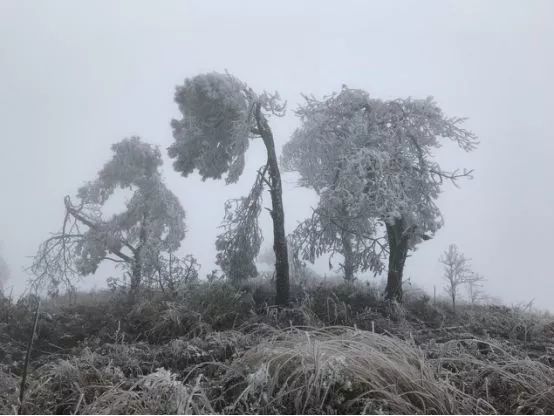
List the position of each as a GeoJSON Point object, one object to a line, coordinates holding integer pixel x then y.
{"type": "Point", "coordinates": [371, 162]}
{"type": "Point", "coordinates": [220, 114]}
{"type": "Point", "coordinates": [152, 224]}
{"type": "Point", "coordinates": [319, 151]}
{"type": "Point", "coordinates": [457, 272]}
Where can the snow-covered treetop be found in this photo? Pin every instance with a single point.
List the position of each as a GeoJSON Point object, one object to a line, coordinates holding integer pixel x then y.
{"type": "Point", "coordinates": [133, 162]}
{"type": "Point", "coordinates": [217, 121]}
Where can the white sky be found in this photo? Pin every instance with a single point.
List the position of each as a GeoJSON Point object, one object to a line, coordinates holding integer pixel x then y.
{"type": "Point", "coordinates": [76, 77]}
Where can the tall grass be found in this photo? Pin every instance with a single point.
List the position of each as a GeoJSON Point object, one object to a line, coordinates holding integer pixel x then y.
{"type": "Point", "coordinates": [217, 348]}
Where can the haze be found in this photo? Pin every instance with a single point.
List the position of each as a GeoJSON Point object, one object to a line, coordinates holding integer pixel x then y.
{"type": "Point", "coordinates": [79, 76]}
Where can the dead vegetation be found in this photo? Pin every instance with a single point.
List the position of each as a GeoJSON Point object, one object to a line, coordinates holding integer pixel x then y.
{"type": "Point", "coordinates": [218, 348]}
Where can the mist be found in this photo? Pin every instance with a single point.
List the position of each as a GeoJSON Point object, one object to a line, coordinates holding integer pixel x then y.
{"type": "Point", "coordinates": [78, 77]}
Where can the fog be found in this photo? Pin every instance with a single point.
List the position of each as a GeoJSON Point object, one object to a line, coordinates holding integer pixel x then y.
{"type": "Point", "coordinates": [76, 77]}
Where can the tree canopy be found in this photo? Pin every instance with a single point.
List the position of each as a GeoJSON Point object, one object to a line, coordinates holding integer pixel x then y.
{"type": "Point", "coordinates": [218, 119]}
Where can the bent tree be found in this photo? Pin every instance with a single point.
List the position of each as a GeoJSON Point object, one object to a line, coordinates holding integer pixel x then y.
{"type": "Point", "coordinates": [219, 116]}
{"type": "Point", "coordinates": [372, 159]}
{"type": "Point", "coordinates": [137, 239]}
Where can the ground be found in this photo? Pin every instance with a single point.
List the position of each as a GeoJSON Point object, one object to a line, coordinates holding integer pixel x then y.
{"type": "Point", "coordinates": [218, 348]}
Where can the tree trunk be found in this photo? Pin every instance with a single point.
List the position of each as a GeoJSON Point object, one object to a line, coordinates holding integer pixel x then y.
{"type": "Point", "coordinates": [136, 273]}
{"type": "Point", "coordinates": [398, 248]}
{"type": "Point", "coordinates": [136, 270]}
{"type": "Point", "coordinates": [348, 257]}
{"type": "Point", "coordinates": [277, 213]}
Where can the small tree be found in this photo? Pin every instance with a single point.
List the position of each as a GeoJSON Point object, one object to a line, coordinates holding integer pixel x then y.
{"type": "Point", "coordinates": [371, 162]}
{"type": "Point", "coordinates": [173, 274]}
{"type": "Point", "coordinates": [219, 116]}
{"type": "Point", "coordinates": [474, 283]}
{"type": "Point", "coordinates": [152, 223]}
{"type": "Point", "coordinates": [457, 271]}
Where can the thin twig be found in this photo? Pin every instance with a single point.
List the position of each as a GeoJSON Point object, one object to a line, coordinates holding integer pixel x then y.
{"type": "Point", "coordinates": [27, 358]}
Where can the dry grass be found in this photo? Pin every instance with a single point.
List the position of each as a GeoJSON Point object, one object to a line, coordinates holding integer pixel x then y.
{"type": "Point", "coordinates": [157, 393]}
{"type": "Point", "coordinates": [9, 392]}
{"type": "Point", "coordinates": [222, 349]}
{"type": "Point", "coordinates": [339, 369]}
{"type": "Point", "coordinates": [510, 384]}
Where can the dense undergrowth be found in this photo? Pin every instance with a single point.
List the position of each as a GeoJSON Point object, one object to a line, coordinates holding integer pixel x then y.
{"type": "Point", "coordinates": [216, 348]}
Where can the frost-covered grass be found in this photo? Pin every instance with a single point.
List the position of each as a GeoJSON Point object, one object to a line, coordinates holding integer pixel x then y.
{"type": "Point", "coordinates": [346, 370]}
{"type": "Point", "coordinates": [221, 349]}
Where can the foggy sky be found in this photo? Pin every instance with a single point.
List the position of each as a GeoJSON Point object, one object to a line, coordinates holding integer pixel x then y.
{"type": "Point", "coordinates": [76, 77]}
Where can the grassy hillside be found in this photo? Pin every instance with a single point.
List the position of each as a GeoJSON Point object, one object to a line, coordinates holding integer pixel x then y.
{"type": "Point", "coordinates": [215, 348]}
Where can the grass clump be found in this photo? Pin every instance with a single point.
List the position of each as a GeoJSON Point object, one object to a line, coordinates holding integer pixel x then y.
{"type": "Point", "coordinates": [159, 392]}
{"type": "Point", "coordinates": [339, 369]}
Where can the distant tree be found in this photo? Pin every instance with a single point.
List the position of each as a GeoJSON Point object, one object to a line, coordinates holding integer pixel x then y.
{"type": "Point", "coordinates": [4, 271]}
{"type": "Point", "coordinates": [219, 116]}
{"type": "Point", "coordinates": [457, 272]}
{"type": "Point", "coordinates": [474, 284]}
{"type": "Point", "coordinates": [371, 163]}
{"type": "Point", "coordinates": [151, 226]}
{"type": "Point", "coordinates": [298, 268]}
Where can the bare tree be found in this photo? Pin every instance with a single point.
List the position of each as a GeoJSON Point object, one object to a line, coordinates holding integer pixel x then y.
{"type": "Point", "coordinates": [220, 114]}
{"type": "Point", "coordinates": [173, 274]}
{"type": "Point", "coordinates": [457, 271]}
